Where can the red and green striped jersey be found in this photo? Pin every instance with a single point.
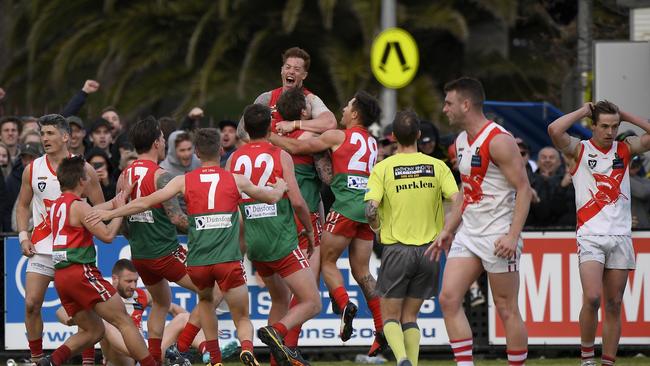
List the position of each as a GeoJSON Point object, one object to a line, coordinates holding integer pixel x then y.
{"type": "Point", "coordinates": [351, 165]}
{"type": "Point", "coordinates": [275, 115]}
{"type": "Point", "coordinates": [270, 230]}
{"type": "Point", "coordinates": [306, 175]}
{"type": "Point", "coordinates": [212, 201]}
{"type": "Point", "coordinates": [71, 244]}
{"type": "Point", "coordinates": [151, 233]}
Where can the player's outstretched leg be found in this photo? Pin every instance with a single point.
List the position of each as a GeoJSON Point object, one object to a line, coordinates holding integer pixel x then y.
{"type": "Point", "coordinates": [332, 247]}
{"type": "Point", "coordinates": [360, 252]}
{"type": "Point", "coordinates": [113, 311]}
{"type": "Point", "coordinates": [85, 319]}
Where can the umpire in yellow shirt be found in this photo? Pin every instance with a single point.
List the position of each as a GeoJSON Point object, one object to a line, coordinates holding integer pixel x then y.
{"type": "Point", "coordinates": [404, 206]}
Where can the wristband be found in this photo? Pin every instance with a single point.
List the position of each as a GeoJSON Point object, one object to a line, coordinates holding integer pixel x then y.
{"type": "Point", "coordinates": [22, 236]}
{"type": "Point", "coordinates": [300, 128]}
{"type": "Point", "coordinates": [294, 125]}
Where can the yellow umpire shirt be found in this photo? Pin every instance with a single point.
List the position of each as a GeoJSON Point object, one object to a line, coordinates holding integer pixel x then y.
{"type": "Point", "coordinates": [409, 189]}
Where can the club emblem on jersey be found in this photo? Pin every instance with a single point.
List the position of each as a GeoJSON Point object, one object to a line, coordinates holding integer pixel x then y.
{"type": "Point", "coordinates": [609, 188]}
{"type": "Point", "coordinates": [592, 163]}
{"type": "Point", "coordinates": [472, 191]}
{"type": "Point", "coordinates": [41, 186]}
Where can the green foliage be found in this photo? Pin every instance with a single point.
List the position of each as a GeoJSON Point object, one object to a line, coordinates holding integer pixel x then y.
{"type": "Point", "coordinates": [164, 57]}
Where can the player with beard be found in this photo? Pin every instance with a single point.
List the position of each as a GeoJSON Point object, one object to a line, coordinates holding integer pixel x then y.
{"type": "Point", "coordinates": [496, 197]}
{"type": "Point", "coordinates": [136, 300]}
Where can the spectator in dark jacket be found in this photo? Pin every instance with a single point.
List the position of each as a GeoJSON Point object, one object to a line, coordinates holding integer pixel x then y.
{"type": "Point", "coordinates": [546, 182]}
{"type": "Point", "coordinates": [640, 190]}
{"type": "Point", "coordinates": [27, 154]}
{"type": "Point", "coordinates": [99, 160]}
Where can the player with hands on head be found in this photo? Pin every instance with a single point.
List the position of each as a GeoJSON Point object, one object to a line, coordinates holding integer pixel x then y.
{"type": "Point", "coordinates": [601, 178]}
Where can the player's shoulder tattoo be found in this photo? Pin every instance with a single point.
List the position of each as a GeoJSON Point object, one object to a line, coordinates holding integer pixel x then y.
{"type": "Point", "coordinates": [163, 179]}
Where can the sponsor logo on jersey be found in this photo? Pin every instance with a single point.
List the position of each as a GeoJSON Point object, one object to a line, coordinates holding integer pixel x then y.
{"type": "Point", "coordinates": [357, 182]}
{"type": "Point", "coordinates": [41, 186]}
{"type": "Point", "coordinates": [41, 178]}
{"type": "Point", "coordinates": [592, 155]}
{"type": "Point", "coordinates": [260, 210]}
{"type": "Point", "coordinates": [218, 221]}
{"type": "Point", "coordinates": [592, 163]}
{"type": "Point", "coordinates": [413, 171]}
{"type": "Point", "coordinates": [146, 217]}
{"type": "Point", "coordinates": [59, 256]}
{"type": "Point", "coordinates": [617, 163]}
{"type": "Point", "coordinates": [414, 185]}
{"type": "Point", "coordinates": [476, 161]}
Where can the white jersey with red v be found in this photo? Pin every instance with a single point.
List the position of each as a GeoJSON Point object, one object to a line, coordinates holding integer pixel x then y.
{"type": "Point", "coordinates": [46, 190]}
{"type": "Point", "coordinates": [136, 305]}
{"type": "Point", "coordinates": [488, 197]}
{"type": "Point", "coordinates": [601, 179]}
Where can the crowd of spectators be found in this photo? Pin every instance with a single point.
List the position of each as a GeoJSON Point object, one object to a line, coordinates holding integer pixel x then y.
{"type": "Point", "coordinates": [103, 142]}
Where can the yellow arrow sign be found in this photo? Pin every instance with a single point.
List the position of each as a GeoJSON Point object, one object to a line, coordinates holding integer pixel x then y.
{"type": "Point", "coordinates": [394, 58]}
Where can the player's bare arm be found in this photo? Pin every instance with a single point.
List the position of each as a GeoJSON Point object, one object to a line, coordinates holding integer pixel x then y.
{"type": "Point", "coordinates": [372, 215]}
{"type": "Point", "coordinates": [331, 139]}
{"type": "Point", "coordinates": [297, 201]}
{"type": "Point", "coordinates": [172, 206]}
{"type": "Point", "coordinates": [103, 232]}
{"type": "Point", "coordinates": [319, 124]}
{"type": "Point", "coordinates": [119, 187]}
{"type": "Point", "coordinates": [502, 148]}
{"type": "Point", "coordinates": [261, 193]}
{"type": "Point", "coordinates": [23, 212]}
{"type": "Point", "coordinates": [322, 160]}
{"type": "Point", "coordinates": [323, 165]}
{"type": "Point", "coordinates": [93, 190]}
{"type": "Point", "coordinates": [637, 144]}
{"type": "Point", "coordinates": [263, 99]}
{"type": "Point", "coordinates": [64, 318]}
{"type": "Point", "coordinates": [141, 204]}
{"type": "Point", "coordinates": [564, 142]}
{"type": "Point", "coordinates": [323, 119]}
{"type": "Point", "coordinates": [452, 220]}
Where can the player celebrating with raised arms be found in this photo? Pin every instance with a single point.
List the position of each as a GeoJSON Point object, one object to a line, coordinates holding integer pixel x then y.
{"type": "Point", "coordinates": [270, 232]}
{"type": "Point", "coordinates": [354, 153]}
{"type": "Point", "coordinates": [212, 195]}
{"type": "Point", "coordinates": [84, 293]}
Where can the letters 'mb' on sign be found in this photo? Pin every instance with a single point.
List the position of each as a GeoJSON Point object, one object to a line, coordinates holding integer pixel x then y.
{"type": "Point", "coordinates": [394, 58]}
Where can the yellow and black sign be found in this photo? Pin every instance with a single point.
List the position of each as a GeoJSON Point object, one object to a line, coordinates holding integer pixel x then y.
{"type": "Point", "coordinates": [394, 58]}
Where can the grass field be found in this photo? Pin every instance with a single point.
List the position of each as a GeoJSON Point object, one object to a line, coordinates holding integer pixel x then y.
{"type": "Point", "coordinates": [530, 362]}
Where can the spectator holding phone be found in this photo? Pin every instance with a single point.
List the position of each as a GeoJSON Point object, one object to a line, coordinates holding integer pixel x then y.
{"type": "Point", "coordinates": [99, 160]}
